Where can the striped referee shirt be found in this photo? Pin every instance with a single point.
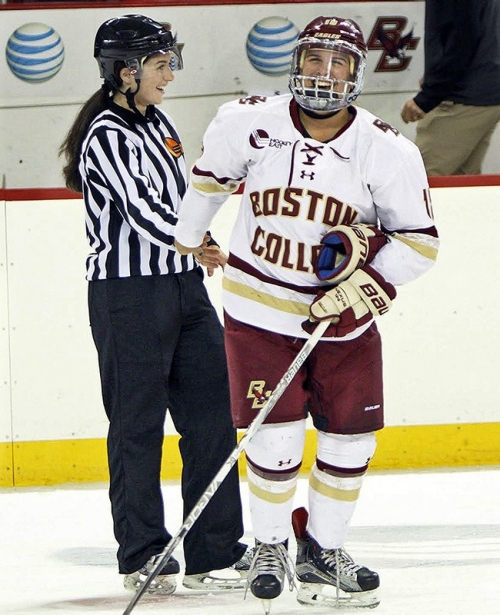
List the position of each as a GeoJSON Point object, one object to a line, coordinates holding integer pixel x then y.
{"type": "Point", "coordinates": [134, 177]}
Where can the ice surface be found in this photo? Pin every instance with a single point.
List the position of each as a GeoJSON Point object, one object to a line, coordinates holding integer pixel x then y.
{"type": "Point", "coordinates": [434, 538]}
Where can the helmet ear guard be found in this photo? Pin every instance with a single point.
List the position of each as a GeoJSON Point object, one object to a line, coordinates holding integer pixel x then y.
{"type": "Point", "coordinates": [134, 65]}
{"type": "Point", "coordinates": [322, 92]}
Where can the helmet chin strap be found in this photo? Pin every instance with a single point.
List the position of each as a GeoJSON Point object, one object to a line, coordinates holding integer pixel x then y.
{"type": "Point", "coordinates": [320, 116]}
{"type": "Point", "coordinates": [130, 96]}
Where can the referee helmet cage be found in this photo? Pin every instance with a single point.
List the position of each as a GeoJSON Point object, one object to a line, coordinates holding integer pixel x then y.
{"type": "Point", "coordinates": [322, 92]}
{"type": "Point", "coordinates": [128, 41]}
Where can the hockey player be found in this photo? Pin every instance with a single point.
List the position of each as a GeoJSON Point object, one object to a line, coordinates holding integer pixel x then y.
{"type": "Point", "coordinates": [159, 339]}
{"type": "Point", "coordinates": [335, 214]}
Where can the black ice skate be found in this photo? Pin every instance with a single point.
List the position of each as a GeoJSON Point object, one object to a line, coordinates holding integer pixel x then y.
{"type": "Point", "coordinates": [330, 576]}
{"type": "Point", "coordinates": [232, 578]}
{"type": "Point", "coordinates": [266, 577]}
{"type": "Point", "coordinates": [163, 584]}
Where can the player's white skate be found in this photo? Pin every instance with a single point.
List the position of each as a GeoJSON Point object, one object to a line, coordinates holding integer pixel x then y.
{"type": "Point", "coordinates": [266, 577]}
{"type": "Point", "coordinates": [163, 584]}
{"type": "Point", "coordinates": [232, 578]}
{"type": "Point", "coordinates": [330, 577]}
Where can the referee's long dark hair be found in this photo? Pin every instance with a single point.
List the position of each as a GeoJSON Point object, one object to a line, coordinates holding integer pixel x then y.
{"type": "Point", "coordinates": [72, 144]}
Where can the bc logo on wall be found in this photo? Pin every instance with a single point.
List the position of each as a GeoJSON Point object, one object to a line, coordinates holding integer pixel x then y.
{"type": "Point", "coordinates": [35, 52]}
{"type": "Point", "coordinates": [270, 44]}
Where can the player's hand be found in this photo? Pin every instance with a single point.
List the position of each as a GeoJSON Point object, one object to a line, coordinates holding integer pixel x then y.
{"type": "Point", "coordinates": [346, 248]}
{"type": "Point", "coordinates": [197, 250]}
{"type": "Point", "coordinates": [411, 112]}
{"type": "Point", "coordinates": [352, 303]}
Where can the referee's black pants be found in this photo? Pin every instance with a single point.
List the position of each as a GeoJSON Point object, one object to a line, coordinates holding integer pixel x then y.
{"type": "Point", "coordinates": [160, 345]}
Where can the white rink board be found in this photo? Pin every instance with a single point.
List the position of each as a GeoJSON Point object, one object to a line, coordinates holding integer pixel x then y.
{"type": "Point", "coordinates": [5, 409]}
{"type": "Point", "coordinates": [55, 378]}
{"type": "Point", "coordinates": [443, 334]}
{"type": "Point", "coordinates": [440, 338]}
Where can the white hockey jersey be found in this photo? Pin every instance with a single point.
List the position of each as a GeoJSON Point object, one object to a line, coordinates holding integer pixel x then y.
{"type": "Point", "coordinates": [295, 190]}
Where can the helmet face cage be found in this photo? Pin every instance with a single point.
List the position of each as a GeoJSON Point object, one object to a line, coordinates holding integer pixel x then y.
{"type": "Point", "coordinates": [129, 41]}
{"type": "Point", "coordinates": [323, 92]}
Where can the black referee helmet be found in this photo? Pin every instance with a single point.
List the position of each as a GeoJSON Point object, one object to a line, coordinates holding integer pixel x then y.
{"type": "Point", "coordinates": [128, 41]}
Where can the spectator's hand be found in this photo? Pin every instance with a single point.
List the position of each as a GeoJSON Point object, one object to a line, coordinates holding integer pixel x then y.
{"type": "Point", "coordinates": [411, 112]}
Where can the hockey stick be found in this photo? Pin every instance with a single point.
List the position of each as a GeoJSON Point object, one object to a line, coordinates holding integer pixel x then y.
{"type": "Point", "coordinates": [231, 460]}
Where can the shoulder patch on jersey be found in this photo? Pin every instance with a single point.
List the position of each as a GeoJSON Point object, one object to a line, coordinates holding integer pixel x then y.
{"type": "Point", "coordinates": [252, 100]}
{"type": "Point", "coordinates": [385, 127]}
{"type": "Point", "coordinates": [259, 138]}
{"type": "Point", "coordinates": [174, 147]}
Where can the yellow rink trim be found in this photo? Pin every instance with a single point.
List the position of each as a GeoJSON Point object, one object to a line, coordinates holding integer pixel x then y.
{"type": "Point", "coordinates": [399, 448]}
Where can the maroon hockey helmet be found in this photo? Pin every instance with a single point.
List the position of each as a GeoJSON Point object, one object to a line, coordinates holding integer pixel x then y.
{"type": "Point", "coordinates": [321, 92]}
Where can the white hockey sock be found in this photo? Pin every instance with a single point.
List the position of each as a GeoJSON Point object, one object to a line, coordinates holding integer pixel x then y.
{"type": "Point", "coordinates": [334, 485]}
{"type": "Point", "coordinates": [274, 456]}
{"type": "Point", "coordinates": [271, 505]}
{"type": "Point", "coordinates": [331, 504]}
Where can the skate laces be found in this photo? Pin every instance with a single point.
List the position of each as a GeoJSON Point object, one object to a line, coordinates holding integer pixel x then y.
{"type": "Point", "coordinates": [274, 560]}
{"type": "Point", "coordinates": [343, 562]}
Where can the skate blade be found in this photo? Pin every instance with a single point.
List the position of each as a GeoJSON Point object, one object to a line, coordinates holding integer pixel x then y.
{"type": "Point", "coordinates": [266, 604]}
{"type": "Point", "coordinates": [317, 594]}
{"type": "Point", "coordinates": [163, 585]}
{"type": "Point", "coordinates": [213, 584]}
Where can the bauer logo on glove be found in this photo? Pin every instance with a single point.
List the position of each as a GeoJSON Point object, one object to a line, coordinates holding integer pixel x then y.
{"type": "Point", "coordinates": [345, 249]}
{"type": "Point", "coordinates": [351, 304]}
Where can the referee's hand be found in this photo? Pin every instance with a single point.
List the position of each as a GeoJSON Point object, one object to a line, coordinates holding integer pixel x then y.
{"type": "Point", "coordinates": [207, 254]}
{"type": "Point", "coordinates": [211, 257]}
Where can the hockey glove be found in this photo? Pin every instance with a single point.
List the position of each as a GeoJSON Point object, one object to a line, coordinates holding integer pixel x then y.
{"type": "Point", "coordinates": [345, 249]}
{"type": "Point", "coordinates": [352, 303]}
